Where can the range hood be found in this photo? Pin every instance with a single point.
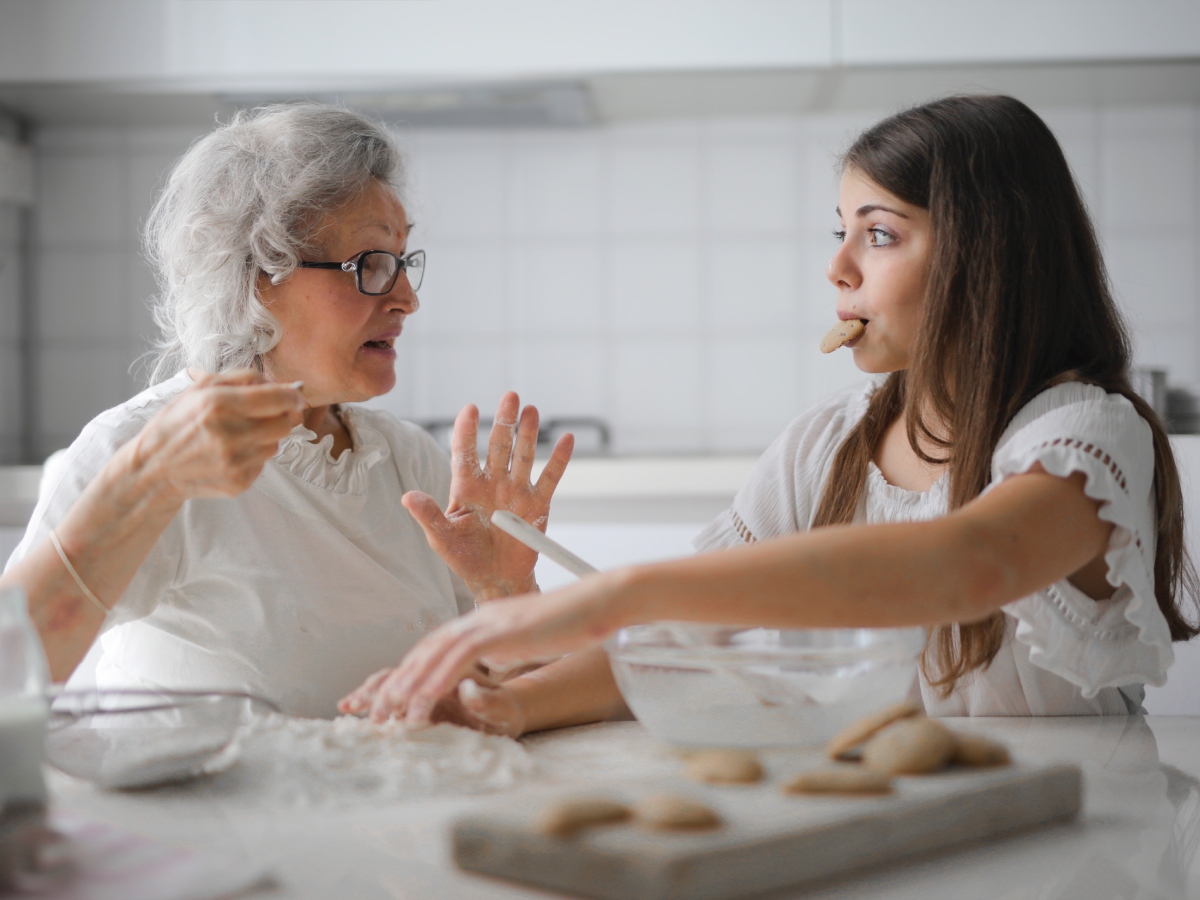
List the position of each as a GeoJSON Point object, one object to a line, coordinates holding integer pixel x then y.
{"type": "Point", "coordinates": [559, 104]}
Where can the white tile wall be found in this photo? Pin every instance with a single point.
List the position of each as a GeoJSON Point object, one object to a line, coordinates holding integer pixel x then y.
{"type": "Point", "coordinates": [656, 286]}
{"type": "Point", "coordinates": [655, 184]}
{"type": "Point", "coordinates": [556, 287]}
{"type": "Point", "coordinates": [668, 277]}
{"type": "Point", "coordinates": [94, 189]}
{"type": "Point", "coordinates": [10, 280]}
{"type": "Point", "coordinates": [11, 379]}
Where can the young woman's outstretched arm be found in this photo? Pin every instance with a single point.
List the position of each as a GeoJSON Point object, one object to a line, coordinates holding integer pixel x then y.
{"type": "Point", "coordinates": [1029, 532]}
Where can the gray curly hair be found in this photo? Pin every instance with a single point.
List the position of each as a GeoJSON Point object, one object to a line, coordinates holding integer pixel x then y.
{"type": "Point", "coordinates": [248, 199]}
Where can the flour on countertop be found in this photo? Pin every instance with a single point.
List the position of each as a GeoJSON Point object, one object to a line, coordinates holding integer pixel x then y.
{"type": "Point", "coordinates": [318, 761]}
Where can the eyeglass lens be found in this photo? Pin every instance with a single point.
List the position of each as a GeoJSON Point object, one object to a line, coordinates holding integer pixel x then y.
{"type": "Point", "coordinates": [378, 271]}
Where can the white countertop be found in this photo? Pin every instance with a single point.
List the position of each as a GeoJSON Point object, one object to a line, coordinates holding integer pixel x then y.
{"type": "Point", "coordinates": [1138, 834]}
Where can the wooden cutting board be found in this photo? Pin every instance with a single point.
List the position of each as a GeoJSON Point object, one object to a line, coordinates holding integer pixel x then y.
{"type": "Point", "coordinates": [769, 840]}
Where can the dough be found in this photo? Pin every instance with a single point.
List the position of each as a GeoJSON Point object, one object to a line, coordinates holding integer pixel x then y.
{"type": "Point", "coordinates": [975, 750]}
{"type": "Point", "coordinates": [568, 817]}
{"type": "Point", "coordinates": [842, 780]}
{"type": "Point", "coordinates": [724, 767]}
{"type": "Point", "coordinates": [910, 747]}
{"type": "Point", "coordinates": [853, 735]}
{"type": "Point", "coordinates": [671, 812]}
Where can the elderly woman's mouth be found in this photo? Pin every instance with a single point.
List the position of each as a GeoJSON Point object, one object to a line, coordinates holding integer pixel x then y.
{"type": "Point", "coordinates": [382, 343]}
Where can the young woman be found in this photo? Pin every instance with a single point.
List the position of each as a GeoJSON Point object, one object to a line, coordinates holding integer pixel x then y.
{"type": "Point", "coordinates": [1000, 482]}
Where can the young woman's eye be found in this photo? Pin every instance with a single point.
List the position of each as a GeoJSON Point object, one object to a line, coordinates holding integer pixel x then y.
{"type": "Point", "coordinates": [881, 238]}
{"type": "Point", "coordinates": [839, 236]}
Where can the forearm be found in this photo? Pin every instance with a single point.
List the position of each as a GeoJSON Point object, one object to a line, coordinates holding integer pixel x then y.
{"type": "Point", "coordinates": [498, 589]}
{"type": "Point", "coordinates": [921, 573]}
{"type": "Point", "coordinates": [1029, 532]}
{"type": "Point", "coordinates": [575, 690]}
{"type": "Point", "coordinates": [106, 536]}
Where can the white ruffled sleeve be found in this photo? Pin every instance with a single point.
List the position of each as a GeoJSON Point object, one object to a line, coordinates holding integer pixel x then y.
{"type": "Point", "coordinates": [1107, 643]}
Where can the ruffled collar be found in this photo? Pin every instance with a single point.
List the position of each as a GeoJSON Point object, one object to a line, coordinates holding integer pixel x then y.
{"type": "Point", "coordinates": [895, 502]}
{"type": "Point", "coordinates": [310, 460]}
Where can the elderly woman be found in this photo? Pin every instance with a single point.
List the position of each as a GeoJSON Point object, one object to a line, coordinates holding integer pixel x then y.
{"type": "Point", "coordinates": [281, 245]}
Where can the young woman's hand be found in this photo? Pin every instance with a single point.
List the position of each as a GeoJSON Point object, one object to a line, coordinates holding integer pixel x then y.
{"type": "Point", "coordinates": [488, 560]}
{"type": "Point", "coordinates": [215, 437]}
{"type": "Point", "coordinates": [517, 628]}
{"type": "Point", "coordinates": [478, 702]}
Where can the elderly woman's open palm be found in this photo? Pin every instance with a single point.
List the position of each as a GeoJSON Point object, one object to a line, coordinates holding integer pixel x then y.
{"type": "Point", "coordinates": [489, 561]}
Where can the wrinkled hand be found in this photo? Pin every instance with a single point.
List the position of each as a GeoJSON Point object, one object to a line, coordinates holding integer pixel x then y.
{"type": "Point", "coordinates": [215, 437]}
{"type": "Point", "coordinates": [545, 625]}
{"type": "Point", "coordinates": [488, 560]}
{"type": "Point", "coordinates": [478, 702]}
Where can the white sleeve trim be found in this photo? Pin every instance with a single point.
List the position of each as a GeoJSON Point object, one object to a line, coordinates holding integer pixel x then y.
{"type": "Point", "coordinates": [1095, 644]}
{"type": "Point", "coordinates": [726, 530]}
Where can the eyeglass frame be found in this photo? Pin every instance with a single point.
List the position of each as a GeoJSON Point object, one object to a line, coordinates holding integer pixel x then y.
{"type": "Point", "coordinates": [354, 264]}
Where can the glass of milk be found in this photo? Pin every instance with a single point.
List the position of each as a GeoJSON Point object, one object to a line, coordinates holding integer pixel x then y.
{"type": "Point", "coordinates": [24, 676]}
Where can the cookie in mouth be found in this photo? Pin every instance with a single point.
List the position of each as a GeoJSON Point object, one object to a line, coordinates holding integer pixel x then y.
{"type": "Point", "coordinates": [842, 333]}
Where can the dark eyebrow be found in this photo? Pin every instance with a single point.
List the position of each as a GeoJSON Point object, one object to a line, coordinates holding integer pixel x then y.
{"type": "Point", "coordinates": [872, 207]}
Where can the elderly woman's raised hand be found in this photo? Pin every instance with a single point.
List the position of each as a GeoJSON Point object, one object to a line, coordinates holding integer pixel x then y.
{"type": "Point", "coordinates": [215, 437]}
{"type": "Point", "coordinates": [492, 563]}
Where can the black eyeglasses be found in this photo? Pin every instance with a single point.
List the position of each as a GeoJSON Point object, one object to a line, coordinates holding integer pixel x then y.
{"type": "Point", "coordinates": [376, 271]}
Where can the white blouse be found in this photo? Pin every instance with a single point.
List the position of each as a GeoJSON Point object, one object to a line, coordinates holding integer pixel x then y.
{"type": "Point", "coordinates": [1064, 653]}
{"type": "Point", "coordinates": [295, 590]}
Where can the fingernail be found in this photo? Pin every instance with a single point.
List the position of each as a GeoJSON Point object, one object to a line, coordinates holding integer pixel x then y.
{"type": "Point", "coordinates": [418, 712]}
{"type": "Point", "coordinates": [469, 693]}
{"type": "Point", "coordinates": [296, 385]}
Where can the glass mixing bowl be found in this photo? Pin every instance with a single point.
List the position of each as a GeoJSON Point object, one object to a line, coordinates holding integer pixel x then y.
{"type": "Point", "coordinates": [717, 686]}
{"type": "Point", "coordinates": [139, 738]}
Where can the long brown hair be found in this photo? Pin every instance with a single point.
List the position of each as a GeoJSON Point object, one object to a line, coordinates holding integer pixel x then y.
{"type": "Point", "coordinates": [1017, 298]}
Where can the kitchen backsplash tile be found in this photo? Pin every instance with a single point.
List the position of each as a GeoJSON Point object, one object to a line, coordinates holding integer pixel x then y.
{"type": "Point", "coordinates": [460, 187]}
{"type": "Point", "coordinates": [654, 188]}
{"type": "Point", "coordinates": [752, 285]}
{"type": "Point", "coordinates": [666, 276]}
{"type": "Point", "coordinates": [464, 289]}
{"type": "Point", "coordinates": [657, 385]}
{"type": "Point", "coordinates": [751, 187]}
{"type": "Point", "coordinates": [147, 173]}
{"type": "Point", "coordinates": [10, 290]}
{"type": "Point", "coordinates": [12, 402]}
{"type": "Point", "coordinates": [77, 380]}
{"type": "Point", "coordinates": [566, 376]}
{"type": "Point", "coordinates": [78, 292]}
{"type": "Point", "coordinates": [656, 286]}
{"type": "Point", "coordinates": [81, 199]}
{"type": "Point", "coordinates": [557, 185]}
{"type": "Point", "coordinates": [555, 287]}
{"type": "Point", "coordinates": [452, 372]}
{"type": "Point", "coordinates": [10, 223]}
{"type": "Point", "coordinates": [754, 389]}
{"type": "Point", "coordinates": [1170, 348]}
{"type": "Point", "coordinates": [1148, 280]}
{"type": "Point", "coordinates": [140, 292]}
{"type": "Point", "coordinates": [1149, 172]}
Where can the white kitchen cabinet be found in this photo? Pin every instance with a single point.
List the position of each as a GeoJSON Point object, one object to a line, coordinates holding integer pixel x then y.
{"type": "Point", "coordinates": [212, 45]}
{"type": "Point", "coordinates": [923, 32]}
{"type": "Point", "coordinates": [215, 44]}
